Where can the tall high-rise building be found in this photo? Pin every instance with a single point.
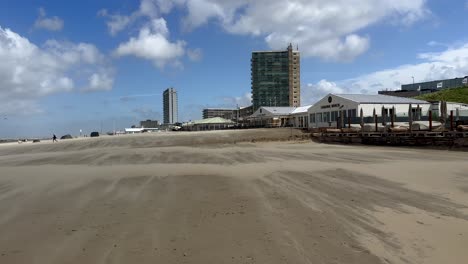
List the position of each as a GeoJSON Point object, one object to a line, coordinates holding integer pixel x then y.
{"type": "Point", "coordinates": [276, 78]}
{"type": "Point", "coordinates": [170, 106]}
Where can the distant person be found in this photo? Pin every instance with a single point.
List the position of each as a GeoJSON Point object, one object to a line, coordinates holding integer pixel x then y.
{"type": "Point", "coordinates": [54, 138]}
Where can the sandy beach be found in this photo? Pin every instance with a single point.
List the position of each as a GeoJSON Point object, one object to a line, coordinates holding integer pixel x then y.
{"type": "Point", "coordinates": [230, 197]}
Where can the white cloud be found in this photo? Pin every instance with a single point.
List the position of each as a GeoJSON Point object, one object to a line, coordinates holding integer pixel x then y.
{"type": "Point", "coordinates": [241, 101]}
{"type": "Point", "coordinates": [310, 93]}
{"type": "Point", "coordinates": [434, 43]}
{"type": "Point", "coordinates": [152, 44]}
{"type": "Point", "coordinates": [100, 82]}
{"type": "Point", "coordinates": [48, 23]}
{"type": "Point", "coordinates": [451, 63]}
{"type": "Point", "coordinates": [195, 54]}
{"type": "Point", "coordinates": [328, 29]}
{"type": "Point", "coordinates": [116, 22]}
{"type": "Point", "coordinates": [151, 9]}
{"type": "Point", "coordinates": [29, 72]}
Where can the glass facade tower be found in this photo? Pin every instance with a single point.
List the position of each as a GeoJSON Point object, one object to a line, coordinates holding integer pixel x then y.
{"type": "Point", "coordinates": [276, 78]}
{"type": "Point", "coordinates": [170, 106]}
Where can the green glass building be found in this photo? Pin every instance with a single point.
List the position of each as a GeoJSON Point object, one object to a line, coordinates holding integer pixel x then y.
{"type": "Point", "coordinates": [276, 78]}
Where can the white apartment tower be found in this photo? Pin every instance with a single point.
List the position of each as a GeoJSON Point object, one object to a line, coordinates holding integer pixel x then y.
{"type": "Point", "coordinates": [170, 106]}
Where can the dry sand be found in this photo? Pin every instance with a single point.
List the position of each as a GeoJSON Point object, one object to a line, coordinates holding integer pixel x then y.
{"type": "Point", "coordinates": [190, 198]}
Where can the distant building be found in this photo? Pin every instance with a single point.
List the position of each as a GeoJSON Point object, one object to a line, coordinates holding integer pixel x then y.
{"type": "Point", "coordinates": [243, 113]}
{"type": "Point", "coordinates": [407, 94]}
{"type": "Point", "coordinates": [276, 78]}
{"type": "Point", "coordinates": [436, 85]}
{"type": "Point", "coordinates": [170, 106]}
{"type": "Point", "coordinates": [215, 123]}
{"type": "Point", "coordinates": [149, 123]}
{"type": "Point", "coordinates": [218, 112]}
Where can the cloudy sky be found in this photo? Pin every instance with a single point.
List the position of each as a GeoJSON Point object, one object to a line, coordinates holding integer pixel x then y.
{"type": "Point", "coordinates": [71, 65]}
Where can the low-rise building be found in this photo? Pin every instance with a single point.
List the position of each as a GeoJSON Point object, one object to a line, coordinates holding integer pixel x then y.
{"type": "Point", "coordinates": [149, 123]}
{"type": "Point", "coordinates": [271, 117]}
{"type": "Point", "coordinates": [326, 112]}
{"type": "Point", "coordinates": [218, 112]}
{"type": "Point", "coordinates": [300, 117]}
{"type": "Point", "coordinates": [215, 123]}
{"type": "Point", "coordinates": [281, 117]}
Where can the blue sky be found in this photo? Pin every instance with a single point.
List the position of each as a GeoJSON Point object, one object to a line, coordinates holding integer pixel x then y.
{"type": "Point", "coordinates": [70, 65]}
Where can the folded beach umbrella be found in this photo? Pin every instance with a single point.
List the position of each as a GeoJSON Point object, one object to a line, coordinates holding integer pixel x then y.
{"type": "Point", "coordinates": [384, 116]}
{"type": "Point", "coordinates": [361, 114]}
{"type": "Point", "coordinates": [418, 113]}
{"type": "Point", "coordinates": [443, 112]}
{"type": "Point", "coordinates": [410, 116]}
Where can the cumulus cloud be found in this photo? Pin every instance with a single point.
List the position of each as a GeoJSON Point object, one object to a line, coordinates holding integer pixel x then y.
{"type": "Point", "coordinates": [48, 23]}
{"type": "Point", "coordinates": [311, 93]}
{"type": "Point", "coordinates": [153, 44]}
{"type": "Point", "coordinates": [99, 82]}
{"type": "Point", "coordinates": [451, 63]}
{"type": "Point", "coordinates": [116, 22]}
{"type": "Point", "coordinates": [151, 9]}
{"type": "Point", "coordinates": [29, 72]}
{"type": "Point", "coordinates": [328, 29]}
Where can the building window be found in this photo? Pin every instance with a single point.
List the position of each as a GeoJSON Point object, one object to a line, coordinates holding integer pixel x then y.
{"type": "Point", "coordinates": [319, 117]}
{"type": "Point", "coordinates": [334, 115]}
{"type": "Point", "coordinates": [312, 118]}
{"type": "Point", "coordinates": [326, 117]}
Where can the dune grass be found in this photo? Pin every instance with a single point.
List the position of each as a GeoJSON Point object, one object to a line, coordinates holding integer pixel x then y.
{"type": "Point", "coordinates": [457, 95]}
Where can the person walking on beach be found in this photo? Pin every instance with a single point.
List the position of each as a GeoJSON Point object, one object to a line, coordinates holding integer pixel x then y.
{"type": "Point", "coordinates": [54, 138]}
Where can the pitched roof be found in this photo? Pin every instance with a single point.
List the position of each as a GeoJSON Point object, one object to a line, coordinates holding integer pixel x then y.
{"type": "Point", "coordinates": [301, 109]}
{"type": "Point", "coordinates": [380, 99]}
{"type": "Point", "coordinates": [214, 120]}
{"type": "Point", "coordinates": [279, 110]}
